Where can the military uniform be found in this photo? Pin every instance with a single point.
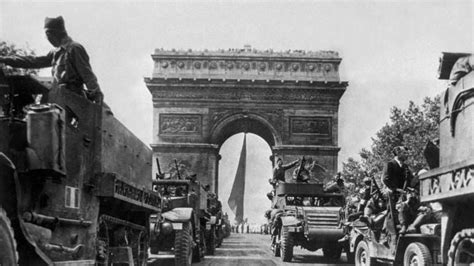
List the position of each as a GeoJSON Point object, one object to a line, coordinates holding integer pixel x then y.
{"type": "Point", "coordinates": [69, 61]}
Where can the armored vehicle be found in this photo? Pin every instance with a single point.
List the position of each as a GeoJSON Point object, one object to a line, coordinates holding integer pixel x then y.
{"type": "Point", "coordinates": [75, 184]}
{"type": "Point", "coordinates": [184, 226]}
{"type": "Point", "coordinates": [305, 215]}
{"type": "Point", "coordinates": [449, 182]}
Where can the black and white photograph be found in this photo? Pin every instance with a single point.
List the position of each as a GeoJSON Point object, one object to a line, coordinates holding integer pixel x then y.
{"type": "Point", "coordinates": [236, 132]}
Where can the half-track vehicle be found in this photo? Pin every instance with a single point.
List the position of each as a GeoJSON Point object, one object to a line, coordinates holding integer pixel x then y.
{"type": "Point", "coordinates": [184, 225]}
{"type": "Point", "coordinates": [449, 182]}
{"type": "Point", "coordinates": [75, 184]}
{"type": "Point", "coordinates": [303, 214]}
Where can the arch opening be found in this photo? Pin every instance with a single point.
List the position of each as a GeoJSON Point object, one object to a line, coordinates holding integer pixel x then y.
{"type": "Point", "coordinates": [258, 171]}
{"type": "Point", "coordinates": [249, 123]}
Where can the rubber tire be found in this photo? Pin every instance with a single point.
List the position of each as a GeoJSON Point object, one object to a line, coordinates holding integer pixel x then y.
{"type": "Point", "coordinates": [333, 252]}
{"type": "Point", "coordinates": [8, 254]}
{"type": "Point", "coordinates": [362, 248]}
{"type": "Point", "coordinates": [200, 248]}
{"type": "Point", "coordinates": [286, 245]}
{"type": "Point", "coordinates": [183, 245]}
{"type": "Point", "coordinates": [465, 233]}
{"type": "Point", "coordinates": [421, 251]}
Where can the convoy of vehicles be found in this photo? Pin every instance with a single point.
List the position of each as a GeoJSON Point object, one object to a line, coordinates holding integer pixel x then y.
{"type": "Point", "coordinates": [68, 169]}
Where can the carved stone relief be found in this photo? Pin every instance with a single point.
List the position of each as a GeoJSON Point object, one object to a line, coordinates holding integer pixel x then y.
{"type": "Point", "coordinates": [320, 126]}
{"type": "Point", "coordinates": [180, 124]}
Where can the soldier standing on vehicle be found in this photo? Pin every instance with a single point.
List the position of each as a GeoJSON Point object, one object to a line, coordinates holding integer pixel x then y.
{"type": "Point", "coordinates": [280, 168]}
{"type": "Point", "coordinates": [396, 177]}
{"type": "Point", "coordinates": [69, 61]}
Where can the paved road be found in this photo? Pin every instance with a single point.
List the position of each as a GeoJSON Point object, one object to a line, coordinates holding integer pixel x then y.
{"type": "Point", "coordinates": [249, 250]}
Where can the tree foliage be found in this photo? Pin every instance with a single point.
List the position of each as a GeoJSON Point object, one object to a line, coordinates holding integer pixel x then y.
{"type": "Point", "coordinates": [411, 128]}
{"type": "Point", "coordinates": [9, 49]}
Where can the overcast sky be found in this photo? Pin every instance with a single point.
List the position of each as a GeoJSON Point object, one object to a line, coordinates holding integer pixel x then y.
{"type": "Point", "coordinates": [389, 51]}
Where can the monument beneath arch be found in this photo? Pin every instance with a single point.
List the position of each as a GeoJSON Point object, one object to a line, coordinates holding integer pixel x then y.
{"type": "Point", "coordinates": [201, 98]}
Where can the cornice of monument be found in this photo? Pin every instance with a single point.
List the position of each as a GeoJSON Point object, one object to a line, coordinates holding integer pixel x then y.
{"type": "Point", "coordinates": [248, 52]}
{"type": "Point", "coordinates": [248, 64]}
{"type": "Point", "coordinates": [223, 82]}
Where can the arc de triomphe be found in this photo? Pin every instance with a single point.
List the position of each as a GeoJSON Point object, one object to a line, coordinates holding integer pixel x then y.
{"type": "Point", "coordinates": [201, 98]}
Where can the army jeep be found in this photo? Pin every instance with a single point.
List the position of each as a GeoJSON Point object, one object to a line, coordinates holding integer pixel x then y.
{"type": "Point", "coordinates": [305, 215]}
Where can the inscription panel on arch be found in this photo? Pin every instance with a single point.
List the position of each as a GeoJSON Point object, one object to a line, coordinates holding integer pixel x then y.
{"type": "Point", "coordinates": [180, 124]}
{"type": "Point", "coordinates": [316, 126]}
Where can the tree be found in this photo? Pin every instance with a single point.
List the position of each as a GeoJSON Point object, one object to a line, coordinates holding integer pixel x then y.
{"type": "Point", "coordinates": [411, 128]}
{"type": "Point", "coordinates": [9, 49]}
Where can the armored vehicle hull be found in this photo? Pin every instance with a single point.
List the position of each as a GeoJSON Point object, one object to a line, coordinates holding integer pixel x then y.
{"type": "Point", "coordinates": [304, 215]}
{"type": "Point", "coordinates": [75, 184]}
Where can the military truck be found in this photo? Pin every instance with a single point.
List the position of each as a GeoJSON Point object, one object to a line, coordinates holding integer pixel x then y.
{"type": "Point", "coordinates": [75, 184]}
{"type": "Point", "coordinates": [449, 181]}
{"type": "Point", "coordinates": [184, 226]}
{"type": "Point", "coordinates": [303, 214]}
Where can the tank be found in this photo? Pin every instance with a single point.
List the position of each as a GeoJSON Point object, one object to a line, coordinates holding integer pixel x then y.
{"type": "Point", "coordinates": [75, 183]}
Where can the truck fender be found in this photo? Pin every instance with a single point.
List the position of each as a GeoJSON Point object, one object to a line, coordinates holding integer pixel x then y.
{"type": "Point", "coordinates": [289, 221]}
{"type": "Point", "coordinates": [178, 215]}
{"type": "Point", "coordinates": [9, 183]}
{"type": "Point", "coordinates": [355, 238]}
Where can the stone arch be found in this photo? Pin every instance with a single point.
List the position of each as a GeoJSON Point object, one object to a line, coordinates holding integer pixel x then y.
{"type": "Point", "coordinates": [244, 122]}
{"type": "Point", "coordinates": [201, 98]}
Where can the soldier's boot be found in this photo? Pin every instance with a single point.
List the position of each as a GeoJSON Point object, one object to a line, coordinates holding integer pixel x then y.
{"type": "Point", "coordinates": [416, 223]}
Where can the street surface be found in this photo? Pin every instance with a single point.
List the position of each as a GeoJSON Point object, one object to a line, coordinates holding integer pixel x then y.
{"type": "Point", "coordinates": [249, 250]}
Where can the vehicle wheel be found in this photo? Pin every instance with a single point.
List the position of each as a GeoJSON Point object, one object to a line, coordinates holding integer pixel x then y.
{"type": "Point", "coordinates": [462, 248]}
{"type": "Point", "coordinates": [183, 245]}
{"type": "Point", "coordinates": [9, 255]}
{"type": "Point", "coordinates": [211, 244]}
{"type": "Point", "coordinates": [286, 245]}
{"type": "Point", "coordinates": [200, 248]}
{"type": "Point", "coordinates": [332, 252]}
{"type": "Point", "coordinates": [417, 254]}
{"type": "Point", "coordinates": [362, 254]}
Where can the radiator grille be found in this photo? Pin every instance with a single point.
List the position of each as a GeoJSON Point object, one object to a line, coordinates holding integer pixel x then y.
{"type": "Point", "coordinates": [322, 218]}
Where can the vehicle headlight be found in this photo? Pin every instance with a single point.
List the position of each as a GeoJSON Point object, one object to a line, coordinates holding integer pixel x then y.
{"type": "Point", "coordinates": [166, 228]}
